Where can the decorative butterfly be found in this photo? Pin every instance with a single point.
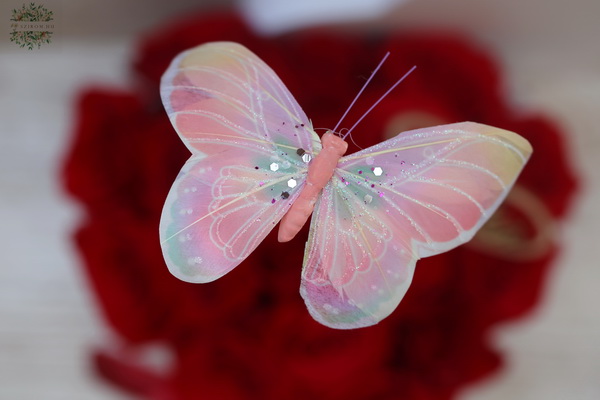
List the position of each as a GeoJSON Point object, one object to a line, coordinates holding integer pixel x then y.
{"type": "Point", "coordinates": [256, 160]}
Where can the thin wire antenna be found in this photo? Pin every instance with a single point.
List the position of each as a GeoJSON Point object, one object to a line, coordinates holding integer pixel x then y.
{"type": "Point", "coordinates": [356, 144]}
{"type": "Point", "coordinates": [361, 90]}
{"type": "Point", "coordinates": [378, 101]}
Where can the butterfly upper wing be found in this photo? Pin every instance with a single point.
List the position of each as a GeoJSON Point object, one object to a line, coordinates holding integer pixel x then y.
{"type": "Point", "coordinates": [243, 128]}
{"type": "Point", "coordinates": [421, 193]}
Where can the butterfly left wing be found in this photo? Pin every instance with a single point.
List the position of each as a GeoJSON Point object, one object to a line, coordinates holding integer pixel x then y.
{"type": "Point", "coordinates": [418, 194]}
{"type": "Point", "coordinates": [243, 128]}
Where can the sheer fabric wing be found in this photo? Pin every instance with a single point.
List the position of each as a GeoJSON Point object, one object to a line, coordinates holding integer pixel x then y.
{"type": "Point", "coordinates": [243, 128]}
{"type": "Point", "coordinates": [419, 194]}
{"type": "Point", "coordinates": [217, 213]}
{"type": "Point", "coordinates": [220, 94]}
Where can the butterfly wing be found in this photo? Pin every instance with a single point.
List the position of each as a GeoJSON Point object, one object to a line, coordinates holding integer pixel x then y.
{"type": "Point", "coordinates": [421, 193]}
{"type": "Point", "coordinates": [243, 128]}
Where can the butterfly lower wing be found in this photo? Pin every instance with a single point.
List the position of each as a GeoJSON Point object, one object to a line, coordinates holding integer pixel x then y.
{"type": "Point", "coordinates": [244, 130]}
{"type": "Point", "coordinates": [354, 273]}
{"type": "Point", "coordinates": [217, 213]}
{"type": "Point", "coordinates": [418, 194]}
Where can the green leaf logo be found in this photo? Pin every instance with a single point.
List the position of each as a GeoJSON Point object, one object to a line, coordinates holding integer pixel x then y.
{"type": "Point", "coordinates": [32, 26]}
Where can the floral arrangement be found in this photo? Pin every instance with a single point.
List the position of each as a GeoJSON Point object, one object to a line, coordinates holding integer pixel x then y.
{"type": "Point", "coordinates": [248, 335]}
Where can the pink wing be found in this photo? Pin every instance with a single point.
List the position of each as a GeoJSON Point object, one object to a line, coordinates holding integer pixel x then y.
{"type": "Point", "coordinates": [421, 193]}
{"type": "Point", "coordinates": [244, 130]}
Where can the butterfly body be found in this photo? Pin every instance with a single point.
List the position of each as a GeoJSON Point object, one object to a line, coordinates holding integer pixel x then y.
{"type": "Point", "coordinates": [257, 161]}
{"type": "Point", "coordinates": [320, 171]}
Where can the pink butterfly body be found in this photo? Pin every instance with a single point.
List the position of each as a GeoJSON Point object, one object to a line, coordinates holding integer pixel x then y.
{"type": "Point", "coordinates": [256, 161]}
{"type": "Point", "coordinates": [319, 173]}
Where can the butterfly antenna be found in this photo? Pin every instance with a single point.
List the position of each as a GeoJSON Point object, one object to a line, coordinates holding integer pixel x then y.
{"type": "Point", "coordinates": [356, 144]}
{"type": "Point", "coordinates": [378, 101]}
{"type": "Point", "coordinates": [361, 90]}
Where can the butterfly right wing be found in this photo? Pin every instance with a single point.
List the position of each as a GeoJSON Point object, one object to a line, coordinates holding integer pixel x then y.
{"type": "Point", "coordinates": [243, 128]}
{"type": "Point", "coordinates": [421, 193]}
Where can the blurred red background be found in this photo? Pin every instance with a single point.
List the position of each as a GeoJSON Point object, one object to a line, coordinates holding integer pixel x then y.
{"type": "Point", "coordinates": [248, 335]}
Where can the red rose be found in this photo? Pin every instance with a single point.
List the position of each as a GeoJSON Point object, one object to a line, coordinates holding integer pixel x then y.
{"type": "Point", "coordinates": [248, 335]}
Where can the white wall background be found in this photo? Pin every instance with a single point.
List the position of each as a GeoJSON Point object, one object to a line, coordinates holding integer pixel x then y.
{"type": "Point", "coordinates": [48, 322]}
